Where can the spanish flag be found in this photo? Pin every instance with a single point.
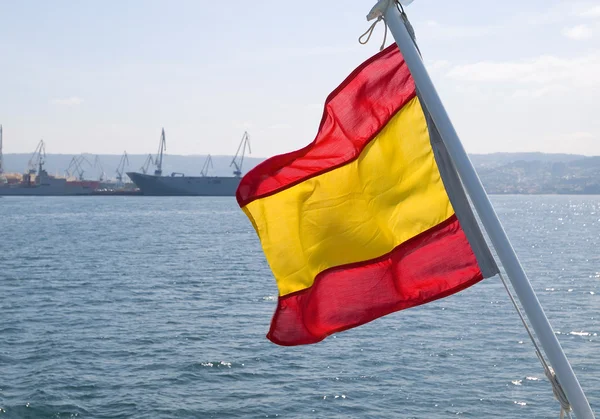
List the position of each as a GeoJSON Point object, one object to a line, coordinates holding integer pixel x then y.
{"type": "Point", "coordinates": [368, 219]}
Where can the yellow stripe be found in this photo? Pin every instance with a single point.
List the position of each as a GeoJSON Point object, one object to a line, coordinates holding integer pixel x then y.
{"type": "Point", "coordinates": [356, 212]}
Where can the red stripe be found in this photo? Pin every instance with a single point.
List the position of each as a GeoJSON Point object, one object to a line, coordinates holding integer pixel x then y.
{"type": "Point", "coordinates": [433, 265]}
{"type": "Point", "coordinates": [354, 114]}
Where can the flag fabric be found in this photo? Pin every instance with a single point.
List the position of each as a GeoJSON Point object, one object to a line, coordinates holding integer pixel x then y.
{"type": "Point", "coordinates": [368, 219]}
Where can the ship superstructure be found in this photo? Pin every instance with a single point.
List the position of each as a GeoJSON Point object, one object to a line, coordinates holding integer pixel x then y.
{"type": "Point", "coordinates": [178, 184]}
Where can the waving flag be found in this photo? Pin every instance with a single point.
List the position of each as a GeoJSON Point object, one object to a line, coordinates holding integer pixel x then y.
{"type": "Point", "coordinates": [368, 219]}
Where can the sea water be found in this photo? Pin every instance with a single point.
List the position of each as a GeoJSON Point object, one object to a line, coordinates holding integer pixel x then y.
{"type": "Point", "coordinates": [142, 307]}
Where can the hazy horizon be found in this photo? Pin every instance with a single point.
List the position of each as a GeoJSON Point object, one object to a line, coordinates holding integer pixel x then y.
{"type": "Point", "coordinates": [266, 157]}
{"type": "Point", "coordinates": [101, 78]}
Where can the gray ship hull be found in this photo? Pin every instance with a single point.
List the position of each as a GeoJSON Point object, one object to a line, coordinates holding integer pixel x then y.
{"type": "Point", "coordinates": [152, 185]}
{"type": "Point", "coordinates": [51, 187]}
{"type": "Point", "coordinates": [41, 191]}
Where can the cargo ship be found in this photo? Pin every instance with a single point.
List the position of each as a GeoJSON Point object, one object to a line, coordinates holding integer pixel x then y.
{"type": "Point", "coordinates": [37, 181]}
{"type": "Point", "coordinates": [178, 184]}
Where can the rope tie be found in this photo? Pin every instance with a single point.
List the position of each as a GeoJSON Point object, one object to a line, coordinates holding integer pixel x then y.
{"type": "Point", "coordinates": [409, 27]}
{"type": "Point", "coordinates": [559, 393]}
{"type": "Point", "coordinates": [369, 32]}
{"type": "Point", "coordinates": [377, 12]}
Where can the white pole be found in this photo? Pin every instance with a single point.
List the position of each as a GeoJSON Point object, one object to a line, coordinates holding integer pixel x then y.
{"type": "Point", "coordinates": [488, 216]}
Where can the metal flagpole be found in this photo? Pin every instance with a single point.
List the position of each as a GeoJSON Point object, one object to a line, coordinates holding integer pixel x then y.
{"type": "Point", "coordinates": [483, 206]}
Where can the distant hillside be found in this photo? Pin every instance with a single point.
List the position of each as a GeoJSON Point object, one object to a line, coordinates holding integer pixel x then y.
{"type": "Point", "coordinates": [501, 173]}
{"type": "Point", "coordinates": [499, 159]}
{"type": "Point", "coordinates": [536, 173]}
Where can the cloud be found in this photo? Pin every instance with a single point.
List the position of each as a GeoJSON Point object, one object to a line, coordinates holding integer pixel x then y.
{"type": "Point", "coordinates": [289, 52]}
{"type": "Point", "coordinates": [315, 106]}
{"type": "Point", "coordinates": [444, 31]}
{"type": "Point", "coordinates": [581, 71]}
{"type": "Point", "coordinates": [578, 142]}
{"type": "Point", "coordinates": [438, 65]}
{"type": "Point", "coordinates": [581, 135]}
{"type": "Point", "coordinates": [557, 13]}
{"type": "Point", "coordinates": [592, 12]}
{"type": "Point", "coordinates": [279, 127]}
{"type": "Point", "coordinates": [306, 52]}
{"type": "Point", "coordinates": [537, 92]}
{"type": "Point", "coordinates": [69, 101]}
{"type": "Point", "coordinates": [578, 32]}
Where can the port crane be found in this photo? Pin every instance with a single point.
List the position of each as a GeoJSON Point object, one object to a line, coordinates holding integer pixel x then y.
{"type": "Point", "coordinates": [37, 159]}
{"type": "Point", "coordinates": [162, 146]}
{"type": "Point", "coordinates": [238, 160]}
{"type": "Point", "coordinates": [76, 166]}
{"type": "Point", "coordinates": [101, 169]}
{"type": "Point", "coordinates": [207, 163]}
{"type": "Point", "coordinates": [147, 163]}
{"type": "Point", "coordinates": [121, 167]}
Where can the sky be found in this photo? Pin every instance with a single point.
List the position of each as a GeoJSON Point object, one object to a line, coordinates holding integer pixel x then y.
{"type": "Point", "coordinates": [105, 77]}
